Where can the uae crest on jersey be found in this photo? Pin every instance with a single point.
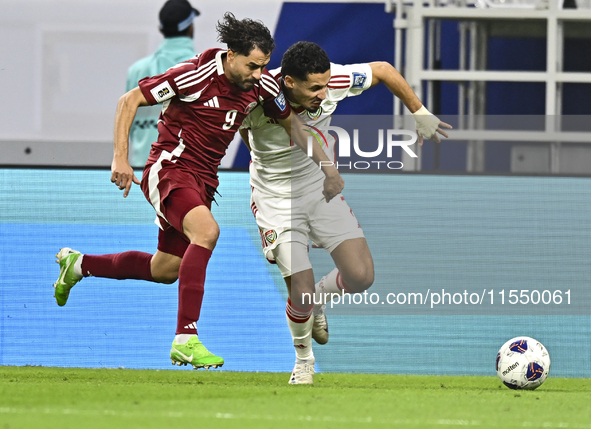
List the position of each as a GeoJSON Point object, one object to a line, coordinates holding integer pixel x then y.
{"type": "Point", "coordinates": [250, 107]}
{"type": "Point", "coordinates": [315, 115]}
{"type": "Point", "coordinates": [271, 236]}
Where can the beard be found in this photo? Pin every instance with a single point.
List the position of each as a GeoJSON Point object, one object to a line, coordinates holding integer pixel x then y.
{"type": "Point", "coordinates": [243, 84]}
{"type": "Point", "coordinates": [315, 105]}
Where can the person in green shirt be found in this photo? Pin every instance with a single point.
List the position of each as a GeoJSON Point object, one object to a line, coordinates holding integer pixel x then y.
{"type": "Point", "coordinates": [176, 25]}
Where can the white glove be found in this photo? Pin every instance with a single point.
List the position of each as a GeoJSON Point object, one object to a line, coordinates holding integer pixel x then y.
{"type": "Point", "coordinates": [426, 123]}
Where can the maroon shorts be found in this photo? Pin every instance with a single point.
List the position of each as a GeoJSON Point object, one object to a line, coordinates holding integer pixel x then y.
{"type": "Point", "coordinates": [173, 192]}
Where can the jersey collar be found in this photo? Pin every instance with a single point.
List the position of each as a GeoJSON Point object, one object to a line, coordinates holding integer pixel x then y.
{"type": "Point", "coordinates": [218, 61]}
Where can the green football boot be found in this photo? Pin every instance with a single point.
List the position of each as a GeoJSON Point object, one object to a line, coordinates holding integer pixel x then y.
{"type": "Point", "coordinates": [66, 257]}
{"type": "Point", "coordinates": [193, 352]}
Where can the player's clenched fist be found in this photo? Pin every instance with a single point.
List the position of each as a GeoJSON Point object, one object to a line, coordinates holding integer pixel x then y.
{"type": "Point", "coordinates": [333, 184]}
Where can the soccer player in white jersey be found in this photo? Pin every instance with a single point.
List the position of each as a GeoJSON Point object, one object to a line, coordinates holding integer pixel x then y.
{"type": "Point", "coordinates": [287, 197]}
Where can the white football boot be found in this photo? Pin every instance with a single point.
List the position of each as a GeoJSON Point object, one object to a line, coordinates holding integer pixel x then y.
{"type": "Point", "coordinates": [320, 327]}
{"type": "Point", "coordinates": [303, 373]}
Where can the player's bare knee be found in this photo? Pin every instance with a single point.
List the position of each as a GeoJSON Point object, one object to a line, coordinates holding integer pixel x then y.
{"type": "Point", "coordinates": [368, 279]}
{"type": "Point", "coordinates": [204, 235]}
{"type": "Point", "coordinates": [359, 279]}
{"type": "Point", "coordinates": [301, 292]}
{"type": "Point", "coordinates": [210, 234]}
{"type": "Point", "coordinates": [367, 276]}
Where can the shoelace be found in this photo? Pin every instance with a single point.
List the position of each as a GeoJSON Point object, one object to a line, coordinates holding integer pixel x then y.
{"type": "Point", "coordinates": [200, 348]}
{"type": "Point", "coordinates": [304, 368]}
{"type": "Point", "coordinates": [321, 313]}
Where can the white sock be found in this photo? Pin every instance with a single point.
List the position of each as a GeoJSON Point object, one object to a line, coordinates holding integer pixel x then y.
{"type": "Point", "coordinates": [183, 338]}
{"type": "Point", "coordinates": [324, 288]}
{"type": "Point", "coordinates": [78, 266]}
{"type": "Point", "coordinates": [302, 339]}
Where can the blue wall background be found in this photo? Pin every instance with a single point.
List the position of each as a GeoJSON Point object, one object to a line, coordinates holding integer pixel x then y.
{"type": "Point", "coordinates": [424, 232]}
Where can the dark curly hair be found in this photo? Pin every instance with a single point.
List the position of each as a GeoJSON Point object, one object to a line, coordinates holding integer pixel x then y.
{"type": "Point", "coordinates": [242, 36]}
{"type": "Point", "coordinates": [304, 58]}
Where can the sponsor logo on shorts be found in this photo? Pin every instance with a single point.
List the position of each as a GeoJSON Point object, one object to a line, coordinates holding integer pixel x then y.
{"type": "Point", "coordinates": [271, 236]}
{"type": "Point", "coordinates": [358, 80]}
{"type": "Point", "coordinates": [280, 101]}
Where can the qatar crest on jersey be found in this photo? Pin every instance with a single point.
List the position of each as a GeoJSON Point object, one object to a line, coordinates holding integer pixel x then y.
{"type": "Point", "coordinates": [250, 107]}
{"type": "Point", "coordinates": [314, 115]}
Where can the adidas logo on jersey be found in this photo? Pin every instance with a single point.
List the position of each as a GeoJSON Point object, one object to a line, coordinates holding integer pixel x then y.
{"type": "Point", "coordinates": [212, 103]}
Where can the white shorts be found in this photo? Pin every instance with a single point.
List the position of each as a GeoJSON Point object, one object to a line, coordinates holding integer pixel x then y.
{"type": "Point", "coordinates": [298, 220]}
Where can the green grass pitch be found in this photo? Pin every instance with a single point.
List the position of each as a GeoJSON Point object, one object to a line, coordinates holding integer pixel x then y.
{"type": "Point", "coordinates": [64, 398]}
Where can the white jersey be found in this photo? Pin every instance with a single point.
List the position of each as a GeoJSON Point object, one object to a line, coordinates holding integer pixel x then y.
{"type": "Point", "coordinates": [280, 168]}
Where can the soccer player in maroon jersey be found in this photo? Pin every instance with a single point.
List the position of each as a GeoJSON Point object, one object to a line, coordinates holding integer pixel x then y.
{"type": "Point", "coordinates": [204, 101]}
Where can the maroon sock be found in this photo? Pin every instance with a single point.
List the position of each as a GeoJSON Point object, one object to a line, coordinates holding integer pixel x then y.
{"type": "Point", "coordinates": [191, 288]}
{"type": "Point", "coordinates": [120, 266]}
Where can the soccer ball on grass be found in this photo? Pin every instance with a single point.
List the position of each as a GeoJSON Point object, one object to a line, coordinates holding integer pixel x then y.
{"type": "Point", "coordinates": [523, 363]}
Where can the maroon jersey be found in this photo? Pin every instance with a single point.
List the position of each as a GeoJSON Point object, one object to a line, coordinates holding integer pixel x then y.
{"type": "Point", "coordinates": [202, 110]}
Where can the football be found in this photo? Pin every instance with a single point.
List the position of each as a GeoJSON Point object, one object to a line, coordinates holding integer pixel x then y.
{"type": "Point", "coordinates": [523, 363]}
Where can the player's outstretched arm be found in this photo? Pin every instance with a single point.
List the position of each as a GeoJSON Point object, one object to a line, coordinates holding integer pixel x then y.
{"type": "Point", "coordinates": [427, 124]}
{"type": "Point", "coordinates": [333, 183]}
{"type": "Point", "coordinates": [122, 174]}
